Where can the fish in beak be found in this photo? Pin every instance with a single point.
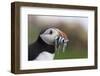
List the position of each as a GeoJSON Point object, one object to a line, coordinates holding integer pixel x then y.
{"type": "Point", "coordinates": [61, 41]}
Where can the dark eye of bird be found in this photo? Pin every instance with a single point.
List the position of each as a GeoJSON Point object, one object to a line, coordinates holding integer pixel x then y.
{"type": "Point", "coordinates": [50, 32]}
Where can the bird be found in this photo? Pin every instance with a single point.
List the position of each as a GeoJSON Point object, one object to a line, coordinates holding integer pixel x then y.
{"type": "Point", "coordinates": [48, 41]}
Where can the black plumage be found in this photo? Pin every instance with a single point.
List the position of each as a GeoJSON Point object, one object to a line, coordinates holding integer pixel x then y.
{"type": "Point", "coordinates": [38, 47]}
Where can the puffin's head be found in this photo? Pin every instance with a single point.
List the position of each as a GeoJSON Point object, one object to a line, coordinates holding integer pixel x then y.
{"type": "Point", "coordinates": [53, 36]}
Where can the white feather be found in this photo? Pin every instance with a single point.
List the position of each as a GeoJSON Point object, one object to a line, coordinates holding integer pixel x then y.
{"type": "Point", "coordinates": [49, 38]}
{"type": "Point", "coordinates": [45, 56]}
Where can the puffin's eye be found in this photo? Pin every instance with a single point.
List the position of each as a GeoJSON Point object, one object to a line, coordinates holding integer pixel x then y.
{"type": "Point", "coordinates": [50, 32]}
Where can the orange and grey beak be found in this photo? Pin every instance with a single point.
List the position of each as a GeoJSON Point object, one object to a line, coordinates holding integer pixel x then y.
{"type": "Point", "coordinates": [63, 35]}
{"type": "Point", "coordinates": [61, 40]}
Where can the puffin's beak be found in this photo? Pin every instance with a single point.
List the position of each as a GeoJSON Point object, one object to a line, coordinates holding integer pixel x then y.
{"type": "Point", "coordinates": [61, 40]}
{"type": "Point", "coordinates": [62, 36]}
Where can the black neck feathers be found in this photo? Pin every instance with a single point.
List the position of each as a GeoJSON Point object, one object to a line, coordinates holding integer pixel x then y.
{"type": "Point", "coordinates": [39, 46]}
{"type": "Point", "coordinates": [44, 46]}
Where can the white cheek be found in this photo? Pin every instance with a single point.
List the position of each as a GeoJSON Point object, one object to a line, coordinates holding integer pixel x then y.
{"type": "Point", "coordinates": [49, 39]}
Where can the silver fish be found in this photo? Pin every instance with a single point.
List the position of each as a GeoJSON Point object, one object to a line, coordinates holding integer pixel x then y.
{"type": "Point", "coordinates": [60, 44]}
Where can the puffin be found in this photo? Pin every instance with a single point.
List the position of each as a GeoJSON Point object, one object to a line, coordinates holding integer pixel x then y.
{"type": "Point", "coordinates": [48, 42]}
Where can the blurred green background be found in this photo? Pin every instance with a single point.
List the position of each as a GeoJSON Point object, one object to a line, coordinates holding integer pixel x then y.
{"type": "Point", "coordinates": [76, 29]}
